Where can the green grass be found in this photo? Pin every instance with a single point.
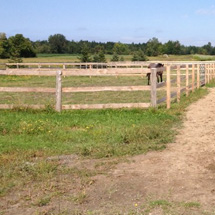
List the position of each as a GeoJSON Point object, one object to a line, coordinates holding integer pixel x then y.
{"type": "Point", "coordinates": [63, 58]}
{"type": "Point", "coordinates": [73, 98]}
{"type": "Point", "coordinates": [165, 207]}
{"type": "Point", "coordinates": [29, 137]}
{"type": "Point", "coordinates": [121, 132]}
{"type": "Point", "coordinates": [211, 84]}
{"type": "Point", "coordinates": [89, 132]}
{"type": "Point", "coordinates": [183, 58]}
{"type": "Point", "coordinates": [93, 133]}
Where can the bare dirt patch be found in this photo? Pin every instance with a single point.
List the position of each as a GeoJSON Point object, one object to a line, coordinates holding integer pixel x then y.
{"type": "Point", "coordinates": [178, 180]}
{"type": "Point", "coordinates": [184, 172]}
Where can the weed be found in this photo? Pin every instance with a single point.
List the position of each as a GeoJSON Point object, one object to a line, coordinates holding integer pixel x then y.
{"type": "Point", "coordinates": [43, 201]}
{"type": "Point", "coordinates": [80, 197]}
{"type": "Point", "coordinates": [211, 84]}
{"type": "Point", "coordinates": [191, 204]}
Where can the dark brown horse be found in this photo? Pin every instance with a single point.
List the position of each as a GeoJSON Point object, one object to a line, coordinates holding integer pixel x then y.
{"type": "Point", "coordinates": [159, 73]}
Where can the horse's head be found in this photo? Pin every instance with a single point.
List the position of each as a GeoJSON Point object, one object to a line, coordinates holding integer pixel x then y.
{"type": "Point", "coordinates": [155, 65]}
{"type": "Point", "coordinates": [159, 65]}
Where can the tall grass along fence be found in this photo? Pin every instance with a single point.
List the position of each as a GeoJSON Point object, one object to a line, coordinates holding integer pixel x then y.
{"type": "Point", "coordinates": [179, 78]}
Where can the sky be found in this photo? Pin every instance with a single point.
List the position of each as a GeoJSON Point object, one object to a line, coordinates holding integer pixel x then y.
{"type": "Point", "coordinates": [191, 22]}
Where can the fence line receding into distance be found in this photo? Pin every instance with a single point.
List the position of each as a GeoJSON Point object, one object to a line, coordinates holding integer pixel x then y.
{"type": "Point", "coordinates": [181, 77]}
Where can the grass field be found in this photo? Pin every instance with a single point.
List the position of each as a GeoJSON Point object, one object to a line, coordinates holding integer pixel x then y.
{"type": "Point", "coordinates": [74, 98]}
{"type": "Point", "coordinates": [29, 137]}
{"type": "Point", "coordinates": [67, 58]}
{"type": "Point", "coordinates": [93, 133]}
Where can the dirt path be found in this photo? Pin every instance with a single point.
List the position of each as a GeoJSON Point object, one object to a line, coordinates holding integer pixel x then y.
{"type": "Point", "coordinates": [184, 172]}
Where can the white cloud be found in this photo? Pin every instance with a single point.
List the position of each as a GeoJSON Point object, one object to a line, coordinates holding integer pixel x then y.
{"type": "Point", "coordinates": [209, 11]}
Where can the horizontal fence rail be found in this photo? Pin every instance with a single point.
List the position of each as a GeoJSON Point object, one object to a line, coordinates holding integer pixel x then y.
{"type": "Point", "coordinates": [27, 89]}
{"type": "Point", "coordinates": [78, 72]}
{"type": "Point", "coordinates": [180, 77]}
{"type": "Point", "coordinates": [106, 106]}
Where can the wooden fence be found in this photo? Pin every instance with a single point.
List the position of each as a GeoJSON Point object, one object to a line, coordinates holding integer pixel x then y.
{"type": "Point", "coordinates": [180, 77]}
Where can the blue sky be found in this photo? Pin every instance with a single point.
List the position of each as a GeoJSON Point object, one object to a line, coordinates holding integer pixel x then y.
{"type": "Point", "coordinates": [192, 22]}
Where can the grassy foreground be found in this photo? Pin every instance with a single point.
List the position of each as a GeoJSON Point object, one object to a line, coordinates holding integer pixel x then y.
{"type": "Point", "coordinates": [30, 138]}
{"type": "Point", "coordinates": [104, 133]}
{"type": "Point", "coordinates": [93, 133]}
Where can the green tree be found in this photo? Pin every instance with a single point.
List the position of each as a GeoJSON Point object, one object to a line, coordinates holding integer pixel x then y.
{"type": "Point", "coordinates": [121, 58]}
{"type": "Point", "coordinates": [96, 58]}
{"type": "Point", "coordinates": [139, 56]}
{"type": "Point", "coordinates": [135, 57]}
{"type": "Point", "coordinates": [172, 47]}
{"type": "Point", "coordinates": [19, 47]}
{"type": "Point", "coordinates": [98, 49]}
{"type": "Point", "coordinates": [85, 53]}
{"type": "Point", "coordinates": [142, 56]}
{"type": "Point", "coordinates": [42, 46]}
{"type": "Point", "coordinates": [120, 48]}
{"type": "Point", "coordinates": [208, 48]}
{"type": "Point", "coordinates": [115, 57]}
{"type": "Point", "coordinates": [100, 57]}
{"type": "Point", "coordinates": [73, 47]}
{"type": "Point", "coordinates": [153, 47]}
{"type": "Point", "coordinates": [109, 47]}
{"type": "Point", "coordinates": [58, 43]}
{"type": "Point", "coordinates": [4, 46]}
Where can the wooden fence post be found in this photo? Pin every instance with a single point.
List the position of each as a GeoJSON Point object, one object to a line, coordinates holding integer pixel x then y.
{"type": "Point", "coordinates": [168, 88]}
{"type": "Point", "coordinates": [213, 69]}
{"type": "Point", "coordinates": [187, 80]}
{"type": "Point", "coordinates": [193, 78]}
{"type": "Point", "coordinates": [58, 106]}
{"type": "Point", "coordinates": [209, 69]}
{"type": "Point", "coordinates": [210, 74]}
{"type": "Point", "coordinates": [208, 80]}
{"type": "Point", "coordinates": [198, 76]}
{"type": "Point", "coordinates": [178, 83]}
{"type": "Point", "coordinates": [206, 73]}
{"type": "Point", "coordinates": [153, 87]}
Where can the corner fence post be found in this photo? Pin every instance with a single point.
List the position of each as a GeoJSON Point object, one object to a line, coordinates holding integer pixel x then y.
{"type": "Point", "coordinates": [209, 70]}
{"type": "Point", "coordinates": [178, 83]}
{"type": "Point", "coordinates": [213, 70]}
{"type": "Point", "coordinates": [187, 80]}
{"type": "Point", "coordinates": [153, 87]}
{"type": "Point", "coordinates": [206, 73]}
{"type": "Point", "coordinates": [58, 106]}
{"type": "Point", "coordinates": [168, 88]}
{"type": "Point", "coordinates": [198, 76]}
{"type": "Point", "coordinates": [193, 78]}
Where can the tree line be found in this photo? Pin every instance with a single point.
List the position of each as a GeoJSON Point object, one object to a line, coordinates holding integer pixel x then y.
{"type": "Point", "coordinates": [18, 46]}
